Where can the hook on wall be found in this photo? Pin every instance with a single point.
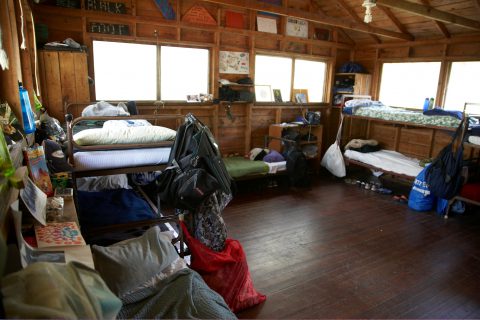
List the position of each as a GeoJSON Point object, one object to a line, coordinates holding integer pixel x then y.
{"type": "Point", "coordinates": [228, 111]}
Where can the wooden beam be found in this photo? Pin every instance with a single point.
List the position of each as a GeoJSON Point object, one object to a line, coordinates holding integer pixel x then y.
{"type": "Point", "coordinates": [426, 42]}
{"type": "Point", "coordinates": [309, 16]}
{"type": "Point", "coordinates": [443, 29]}
{"type": "Point", "coordinates": [429, 12]}
{"type": "Point", "coordinates": [339, 30]}
{"type": "Point", "coordinates": [355, 17]}
{"type": "Point", "coordinates": [394, 19]}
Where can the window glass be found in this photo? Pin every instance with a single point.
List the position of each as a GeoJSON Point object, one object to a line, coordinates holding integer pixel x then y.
{"type": "Point", "coordinates": [275, 72]}
{"type": "Point", "coordinates": [184, 71]}
{"type": "Point", "coordinates": [407, 84]}
{"type": "Point", "coordinates": [121, 75]}
{"type": "Point", "coordinates": [462, 86]}
{"type": "Point", "coordinates": [310, 75]}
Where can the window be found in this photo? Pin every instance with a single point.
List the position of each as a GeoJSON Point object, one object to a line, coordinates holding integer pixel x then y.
{"type": "Point", "coordinates": [407, 84]}
{"type": "Point", "coordinates": [277, 73]}
{"type": "Point", "coordinates": [127, 71]}
{"type": "Point", "coordinates": [462, 86]}
{"type": "Point", "coordinates": [184, 71]}
{"type": "Point", "coordinates": [120, 75]}
{"type": "Point", "coordinates": [310, 75]}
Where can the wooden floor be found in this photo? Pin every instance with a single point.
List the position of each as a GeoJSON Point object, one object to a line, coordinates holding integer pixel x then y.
{"type": "Point", "coordinates": [338, 251]}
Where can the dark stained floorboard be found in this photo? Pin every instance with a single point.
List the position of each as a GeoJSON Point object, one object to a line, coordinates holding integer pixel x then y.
{"type": "Point", "coordinates": [338, 251]}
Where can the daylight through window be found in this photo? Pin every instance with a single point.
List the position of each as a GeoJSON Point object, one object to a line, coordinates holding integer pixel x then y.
{"type": "Point", "coordinates": [407, 84]}
{"type": "Point", "coordinates": [128, 71]}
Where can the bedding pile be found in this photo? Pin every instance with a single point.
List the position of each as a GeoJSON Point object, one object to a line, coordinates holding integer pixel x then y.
{"type": "Point", "coordinates": [375, 109]}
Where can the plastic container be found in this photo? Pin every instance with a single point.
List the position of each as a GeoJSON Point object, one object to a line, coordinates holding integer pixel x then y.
{"type": "Point", "coordinates": [27, 113]}
{"type": "Point", "coordinates": [426, 104]}
{"type": "Point", "coordinates": [431, 103]}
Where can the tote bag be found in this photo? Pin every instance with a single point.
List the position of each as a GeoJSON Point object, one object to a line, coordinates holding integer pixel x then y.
{"type": "Point", "coordinates": [333, 158]}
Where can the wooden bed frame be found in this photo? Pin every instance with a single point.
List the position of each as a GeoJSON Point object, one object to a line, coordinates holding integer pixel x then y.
{"type": "Point", "coordinates": [70, 122]}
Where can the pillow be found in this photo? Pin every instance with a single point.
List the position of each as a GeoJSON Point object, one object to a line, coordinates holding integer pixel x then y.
{"type": "Point", "coordinates": [103, 108]}
{"type": "Point", "coordinates": [273, 156]}
{"type": "Point", "coordinates": [124, 135]}
{"type": "Point", "coordinates": [128, 265]}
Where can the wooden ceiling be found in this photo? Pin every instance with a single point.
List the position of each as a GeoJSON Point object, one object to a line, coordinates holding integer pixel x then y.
{"type": "Point", "coordinates": [393, 20]}
{"type": "Point", "coordinates": [420, 19]}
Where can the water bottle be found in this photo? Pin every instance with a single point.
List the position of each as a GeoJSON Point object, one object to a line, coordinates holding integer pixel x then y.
{"type": "Point", "coordinates": [426, 104]}
{"type": "Point", "coordinates": [430, 103]}
{"type": "Point", "coordinates": [27, 113]}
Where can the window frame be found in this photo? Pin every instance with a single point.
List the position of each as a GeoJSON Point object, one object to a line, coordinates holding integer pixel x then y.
{"type": "Point", "coordinates": [328, 70]}
{"type": "Point", "coordinates": [446, 79]}
{"type": "Point", "coordinates": [382, 62]}
{"type": "Point", "coordinates": [159, 46]}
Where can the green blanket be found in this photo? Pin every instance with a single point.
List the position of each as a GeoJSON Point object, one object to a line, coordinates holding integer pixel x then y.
{"type": "Point", "coordinates": [238, 167]}
{"type": "Point", "coordinates": [184, 295]}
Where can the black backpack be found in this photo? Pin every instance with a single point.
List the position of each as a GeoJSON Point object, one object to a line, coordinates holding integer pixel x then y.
{"type": "Point", "coordinates": [297, 168]}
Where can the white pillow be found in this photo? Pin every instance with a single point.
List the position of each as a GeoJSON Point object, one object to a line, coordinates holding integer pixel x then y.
{"type": "Point", "coordinates": [124, 135]}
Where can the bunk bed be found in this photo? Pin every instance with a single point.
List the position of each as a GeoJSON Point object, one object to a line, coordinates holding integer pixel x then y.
{"type": "Point", "coordinates": [406, 136]}
{"type": "Point", "coordinates": [112, 146]}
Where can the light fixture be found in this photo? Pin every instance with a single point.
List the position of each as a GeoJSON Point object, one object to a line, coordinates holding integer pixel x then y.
{"type": "Point", "coordinates": [368, 4]}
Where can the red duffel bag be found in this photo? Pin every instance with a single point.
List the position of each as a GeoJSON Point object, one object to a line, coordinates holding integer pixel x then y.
{"type": "Point", "coordinates": [226, 272]}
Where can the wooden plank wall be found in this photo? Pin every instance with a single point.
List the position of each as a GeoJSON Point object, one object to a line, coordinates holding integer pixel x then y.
{"type": "Point", "coordinates": [235, 135]}
{"type": "Point", "coordinates": [147, 25]}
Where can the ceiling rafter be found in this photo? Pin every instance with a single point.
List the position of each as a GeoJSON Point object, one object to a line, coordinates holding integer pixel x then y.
{"type": "Point", "coordinates": [431, 13]}
{"type": "Point", "coordinates": [355, 17]}
{"type": "Point", "coordinates": [316, 4]}
{"type": "Point", "coordinates": [310, 16]}
{"type": "Point", "coordinates": [439, 24]}
{"type": "Point", "coordinates": [394, 19]}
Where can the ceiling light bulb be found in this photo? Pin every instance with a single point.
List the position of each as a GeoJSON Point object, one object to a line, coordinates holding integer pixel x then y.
{"type": "Point", "coordinates": [368, 4]}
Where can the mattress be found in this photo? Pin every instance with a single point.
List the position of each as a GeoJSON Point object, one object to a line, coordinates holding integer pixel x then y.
{"type": "Point", "coordinates": [387, 160]}
{"type": "Point", "coordinates": [114, 159]}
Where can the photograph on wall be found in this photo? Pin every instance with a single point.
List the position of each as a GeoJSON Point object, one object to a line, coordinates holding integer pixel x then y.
{"type": "Point", "coordinates": [265, 24]}
{"type": "Point", "coordinates": [234, 62]}
{"type": "Point", "coordinates": [300, 95]}
{"type": "Point", "coordinates": [277, 95]}
{"type": "Point", "coordinates": [297, 28]}
{"type": "Point", "coordinates": [263, 93]}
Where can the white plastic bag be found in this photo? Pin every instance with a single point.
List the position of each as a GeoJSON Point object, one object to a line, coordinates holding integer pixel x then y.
{"type": "Point", "coordinates": [333, 158]}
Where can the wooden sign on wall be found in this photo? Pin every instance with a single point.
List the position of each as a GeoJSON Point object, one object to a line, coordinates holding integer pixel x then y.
{"type": "Point", "coordinates": [108, 28]}
{"type": "Point", "coordinates": [106, 6]}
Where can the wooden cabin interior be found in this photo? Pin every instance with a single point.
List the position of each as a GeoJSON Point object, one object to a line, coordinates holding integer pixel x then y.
{"type": "Point", "coordinates": [245, 68]}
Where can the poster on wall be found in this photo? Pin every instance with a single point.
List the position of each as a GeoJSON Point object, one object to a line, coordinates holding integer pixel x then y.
{"type": "Point", "coordinates": [297, 27]}
{"type": "Point", "coordinates": [234, 62]}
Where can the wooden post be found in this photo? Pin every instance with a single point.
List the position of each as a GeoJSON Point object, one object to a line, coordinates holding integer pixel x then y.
{"type": "Point", "coordinates": [9, 78]}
